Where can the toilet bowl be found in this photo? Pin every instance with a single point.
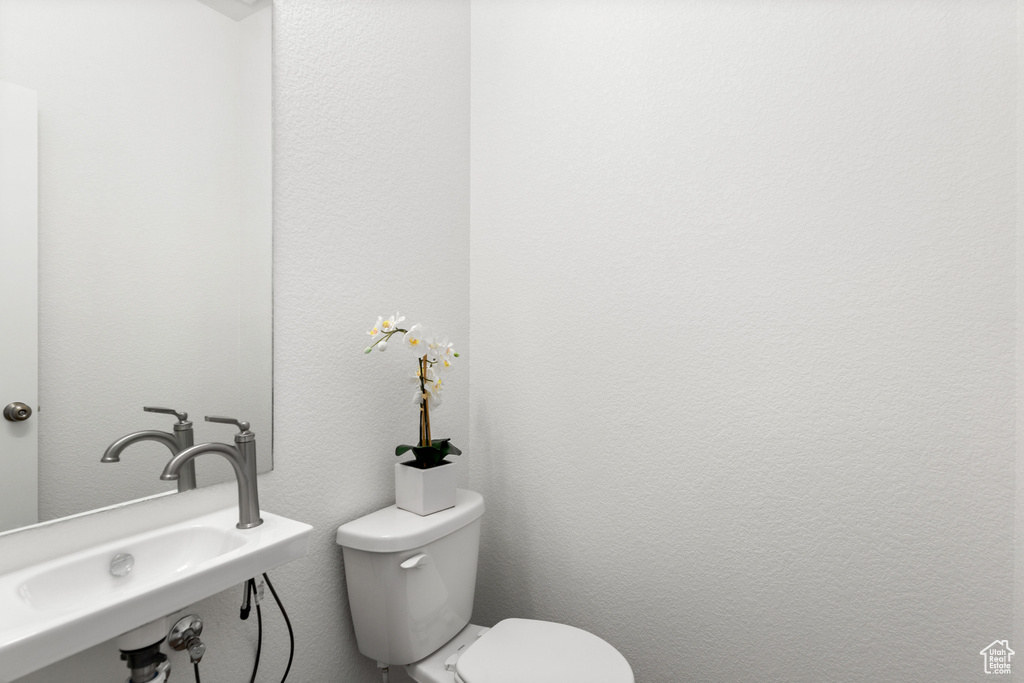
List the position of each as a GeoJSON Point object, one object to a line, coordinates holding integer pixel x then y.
{"type": "Point", "coordinates": [411, 582]}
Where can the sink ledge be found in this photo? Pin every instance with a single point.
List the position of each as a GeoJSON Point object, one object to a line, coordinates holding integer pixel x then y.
{"type": "Point", "coordinates": [43, 619]}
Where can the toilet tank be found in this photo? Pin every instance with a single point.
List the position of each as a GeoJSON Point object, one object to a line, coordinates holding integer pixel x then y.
{"type": "Point", "coordinates": [411, 579]}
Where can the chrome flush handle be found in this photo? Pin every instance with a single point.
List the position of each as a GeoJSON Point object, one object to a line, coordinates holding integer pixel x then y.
{"type": "Point", "coordinates": [415, 562]}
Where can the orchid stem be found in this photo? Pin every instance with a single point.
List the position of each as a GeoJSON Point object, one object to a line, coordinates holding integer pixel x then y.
{"type": "Point", "coordinates": [426, 405]}
{"type": "Point", "coordinates": [422, 429]}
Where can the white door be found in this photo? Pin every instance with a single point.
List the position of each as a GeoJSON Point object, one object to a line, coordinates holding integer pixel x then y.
{"type": "Point", "coordinates": [19, 307]}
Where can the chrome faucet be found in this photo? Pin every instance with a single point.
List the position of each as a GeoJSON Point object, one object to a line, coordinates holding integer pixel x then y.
{"type": "Point", "coordinates": [242, 457]}
{"type": "Point", "coordinates": [177, 442]}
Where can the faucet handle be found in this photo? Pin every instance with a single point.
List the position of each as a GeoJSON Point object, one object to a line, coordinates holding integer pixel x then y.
{"type": "Point", "coordinates": [242, 425]}
{"type": "Point", "coordinates": [182, 417]}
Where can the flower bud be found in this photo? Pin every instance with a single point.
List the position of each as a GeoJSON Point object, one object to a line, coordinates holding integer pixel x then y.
{"type": "Point", "coordinates": [368, 349]}
{"type": "Point", "coordinates": [383, 345]}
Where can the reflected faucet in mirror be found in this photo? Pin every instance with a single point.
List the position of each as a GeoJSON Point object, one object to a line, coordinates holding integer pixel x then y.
{"type": "Point", "coordinates": [242, 457]}
{"type": "Point", "coordinates": [180, 440]}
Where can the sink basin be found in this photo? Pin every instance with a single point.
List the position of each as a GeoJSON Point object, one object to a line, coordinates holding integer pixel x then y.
{"type": "Point", "coordinates": [85, 577]}
{"type": "Point", "coordinates": [54, 609]}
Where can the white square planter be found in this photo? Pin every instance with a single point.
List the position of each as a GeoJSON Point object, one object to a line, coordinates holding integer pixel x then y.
{"type": "Point", "coordinates": [424, 491]}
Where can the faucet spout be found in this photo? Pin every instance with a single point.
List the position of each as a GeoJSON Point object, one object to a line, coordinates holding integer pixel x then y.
{"type": "Point", "coordinates": [187, 480]}
{"type": "Point", "coordinates": [243, 462]}
{"type": "Point", "coordinates": [113, 452]}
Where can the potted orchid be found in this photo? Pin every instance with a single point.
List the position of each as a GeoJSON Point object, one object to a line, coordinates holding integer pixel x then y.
{"type": "Point", "coordinates": [425, 484]}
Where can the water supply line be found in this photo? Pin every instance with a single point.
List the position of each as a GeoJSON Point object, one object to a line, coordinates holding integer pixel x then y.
{"type": "Point", "coordinates": [184, 635]}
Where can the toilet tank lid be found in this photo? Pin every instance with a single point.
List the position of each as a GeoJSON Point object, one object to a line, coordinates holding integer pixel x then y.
{"type": "Point", "coordinates": [394, 530]}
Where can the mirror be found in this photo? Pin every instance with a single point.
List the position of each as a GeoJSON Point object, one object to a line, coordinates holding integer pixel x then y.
{"type": "Point", "coordinates": [154, 232]}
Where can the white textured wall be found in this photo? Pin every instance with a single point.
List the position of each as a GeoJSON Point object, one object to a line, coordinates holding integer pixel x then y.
{"type": "Point", "coordinates": [371, 213]}
{"type": "Point", "coordinates": [743, 331]}
{"type": "Point", "coordinates": [143, 233]}
{"type": "Point", "coordinates": [742, 305]}
{"type": "Point", "coordinates": [1018, 583]}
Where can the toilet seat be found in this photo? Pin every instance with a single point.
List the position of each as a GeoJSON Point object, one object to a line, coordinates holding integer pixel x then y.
{"type": "Point", "coordinates": [518, 650]}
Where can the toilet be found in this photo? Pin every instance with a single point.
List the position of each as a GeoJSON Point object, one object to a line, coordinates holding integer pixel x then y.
{"type": "Point", "coordinates": [411, 582]}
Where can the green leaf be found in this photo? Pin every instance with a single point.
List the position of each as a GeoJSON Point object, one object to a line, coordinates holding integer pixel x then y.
{"type": "Point", "coordinates": [432, 455]}
{"type": "Point", "coordinates": [446, 447]}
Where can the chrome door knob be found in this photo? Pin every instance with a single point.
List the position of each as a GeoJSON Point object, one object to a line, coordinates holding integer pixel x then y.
{"type": "Point", "coordinates": [17, 412]}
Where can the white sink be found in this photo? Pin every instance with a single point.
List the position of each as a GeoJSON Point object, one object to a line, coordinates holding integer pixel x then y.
{"type": "Point", "coordinates": [54, 609]}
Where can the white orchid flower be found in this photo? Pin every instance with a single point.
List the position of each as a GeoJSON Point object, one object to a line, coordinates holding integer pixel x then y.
{"type": "Point", "coordinates": [431, 383]}
{"type": "Point", "coordinates": [446, 350]}
{"type": "Point", "coordinates": [442, 353]}
{"type": "Point", "coordinates": [432, 351]}
{"type": "Point", "coordinates": [390, 325]}
{"type": "Point", "coordinates": [433, 400]}
{"type": "Point", "coordinates": [376, 331]}
{"type": "Point", "coordinates": [428, 379]}
{"type": "Point", "coordinates": [414, 339]}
